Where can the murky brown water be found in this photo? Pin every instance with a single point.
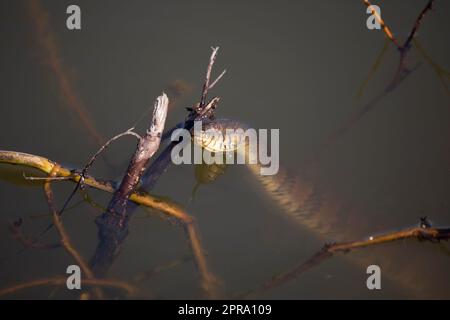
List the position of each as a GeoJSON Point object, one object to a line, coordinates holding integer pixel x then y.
{"type": "Point", "coordinates": [296, 66]}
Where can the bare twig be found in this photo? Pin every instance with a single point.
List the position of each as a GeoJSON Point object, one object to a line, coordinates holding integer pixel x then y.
{"type": "Point", "coordinates": [217, 79]}
{"type": "Point", "coordinates": [424, 232]}
{"type": "Point", "coordinates": [404, 49]}
{"type": "Point", "coordinates": [417, 23]}
{"type": "Point", "coordinates": [65, 240]}
{"type": "Point", "coordinates": [92, 160]}
{"type": "Point", "coordinates": [206, 85]}
{"type": "Point", "coordinates": [201, 111]}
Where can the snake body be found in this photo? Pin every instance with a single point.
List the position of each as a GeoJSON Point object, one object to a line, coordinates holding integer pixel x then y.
{"type": "Point", "coordinates": [304, 202]}
{"type": "Point", "coordinates": [298, 198]}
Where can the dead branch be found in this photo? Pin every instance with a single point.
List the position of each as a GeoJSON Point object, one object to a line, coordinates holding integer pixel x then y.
{"type": "Point", "coordinates": [402, 70]}
{"type": "Point", "coordinates": [113, 223]}
{"type": "Point", "coordinates": [61, 281]}
{"type": "Point", "coordinates": [201, 111]}
{"type": "Point", "coordinates": [400, 75]}
{"type": "Point", "coordinates": [45, 165]}
{"type": "Point", "coordinates": [147, 147]}
{"type": "Point", "coordinates": [424, 232]}
{"type": "Point", "coordinates": [171, 210]}
{"type": "Point", "coordinates": [206, 85]}
{"type": "Point", "coordinates": [417, 23]}
{"type": "Point", "coordinates": [64, 237]}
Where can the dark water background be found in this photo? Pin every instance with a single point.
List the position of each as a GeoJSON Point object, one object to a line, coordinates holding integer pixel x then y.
{"type": "Point", "coordinates": [292, 65]}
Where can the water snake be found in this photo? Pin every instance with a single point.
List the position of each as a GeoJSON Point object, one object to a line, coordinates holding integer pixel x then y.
{"type": "Point", "coordinates": [304, 201]}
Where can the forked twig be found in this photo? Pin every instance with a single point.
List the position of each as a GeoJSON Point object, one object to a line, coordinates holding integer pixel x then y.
{"type": "Point", "coordinates": [404, 49]}
{"type": "Point", "coordinates": [207, 86]}
{"type": "Point", "coordinates": [401, 74]}
{"type": "Point", "coordinates": [417, 23]}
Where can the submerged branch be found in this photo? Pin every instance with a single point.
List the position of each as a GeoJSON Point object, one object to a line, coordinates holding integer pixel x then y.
{"type": "Point", "coordinates": [207, 278]}
{"type": "Point", "coordinates": [65, 240]}
{"type": "Point", "coordinates": [422, 233]}
{"type": "Point", "coordinates": [49, 45]}
{"type": "Point", "coordinates": [113, 223]}
{"type": "Point", "coordinates": [45, 165]}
